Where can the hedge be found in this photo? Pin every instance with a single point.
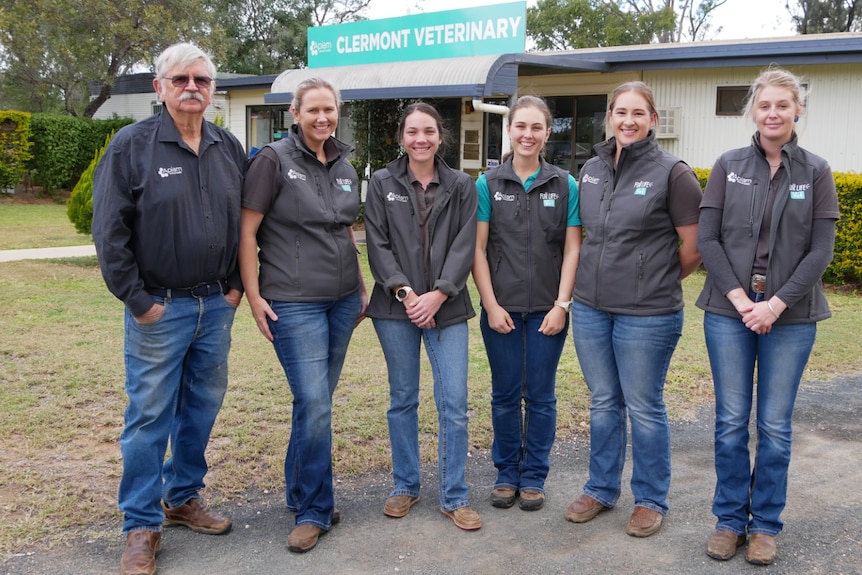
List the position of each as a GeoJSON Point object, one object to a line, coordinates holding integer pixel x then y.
{"type": "Point", "coordinates": [14, 147]}
{"type": "Point", "coordinates": [63, 147]}
{"type": "Point", "coordinates": [846, 266]}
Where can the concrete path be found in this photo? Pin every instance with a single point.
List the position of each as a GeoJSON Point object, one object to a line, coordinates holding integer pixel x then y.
{"type": "Point", "coordinates": [47, 253]}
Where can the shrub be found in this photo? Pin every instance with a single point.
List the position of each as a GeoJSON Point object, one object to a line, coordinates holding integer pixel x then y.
{"type": "Point", "coordinates": [702, 176]}
{"type": "Point", "coordinates": [14, 147]}
{"type": "Point", "coordinates": [80, 205]}
{"type": "Point", "coordinates": [846, 266]}
{"type": "Point", "coordinates": [63, 147]}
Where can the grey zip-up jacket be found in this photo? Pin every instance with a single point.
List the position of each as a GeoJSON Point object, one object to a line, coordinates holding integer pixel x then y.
{"type": "Point", "coordinates": [527, 236]}
{"type": "Point", "coordinates": [305, 250]}
{"type": "Point", "coordinates": [629, 261]}
{"type": "Point", "coordinates": [745, 175]}
{"type": "Point", "coordinates": [395, 246]}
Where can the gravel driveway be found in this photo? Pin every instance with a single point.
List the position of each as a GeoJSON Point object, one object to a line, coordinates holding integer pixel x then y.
{"type": "Point", "coordinates": [823, 519]}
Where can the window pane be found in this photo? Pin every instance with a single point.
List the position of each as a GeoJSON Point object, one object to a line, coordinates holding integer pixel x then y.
{"type": "Point", "coordinates": [730, 100]}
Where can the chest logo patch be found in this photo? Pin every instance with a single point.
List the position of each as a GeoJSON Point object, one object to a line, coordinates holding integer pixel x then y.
{"type": "Point", "coordinates": [797, 191]}
{"type": "Point", "coordinates": [737, 179]}
{"type": "Point", "coordinates": [165, 172]}
{"type": "Point", "coordinates": [294, 175]}
{"type": "Point", "coordinates": [501, 197]}
{"type": "Point", "coordinates": [393, 197]}
{"type": "Point", "coordinates": [642, 187]}
{"type": "Point", "coordinates": [549, 199]}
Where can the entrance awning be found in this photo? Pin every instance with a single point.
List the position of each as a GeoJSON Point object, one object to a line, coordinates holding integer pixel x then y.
{"type": "Point", "coordinates": [471, 76]}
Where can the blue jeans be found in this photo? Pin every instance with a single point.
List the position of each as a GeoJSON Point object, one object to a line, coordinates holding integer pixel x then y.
{"type": "Point", "coordinates": [176, 378]}
{"type": "Point", "coordinates": [523, 402]}
{"type": "Point", "coordinates": [747, 499]}
{"type": "Point", "coordinates": [310, 340]}
{"type": "Point", "coordinates": [448, 352]}
{"type": "Point", "coordinates": [624, 359]}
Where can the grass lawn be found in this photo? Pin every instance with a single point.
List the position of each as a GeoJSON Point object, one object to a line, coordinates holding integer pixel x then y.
{"type": "Point", "coordinates": [43, 225]}
{"type": "Point", "coordinates": [62, 399]}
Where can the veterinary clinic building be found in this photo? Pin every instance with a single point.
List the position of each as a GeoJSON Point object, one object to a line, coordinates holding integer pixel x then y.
{"type": "Point", "coordinates": [699, 87]}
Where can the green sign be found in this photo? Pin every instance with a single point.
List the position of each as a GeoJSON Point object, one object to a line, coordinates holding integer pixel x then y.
{"type": "Point", "coordinates": [495, 29]}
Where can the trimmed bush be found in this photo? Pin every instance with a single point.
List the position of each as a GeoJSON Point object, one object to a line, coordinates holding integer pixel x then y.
{"type": "Point", "coordinates": [14, 147]}
{"type": "Point", "coordinates": [63, 147]}
{"type": "Point", "coordinates": [846, 266]}
{"type": "Point", "coordinates": [80, 205]}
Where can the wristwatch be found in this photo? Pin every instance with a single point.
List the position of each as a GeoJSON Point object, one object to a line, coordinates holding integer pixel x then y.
{"type": "Point", "coordinates": [402, 292]}
{"type": "Point", "coordinates": [566, 305]}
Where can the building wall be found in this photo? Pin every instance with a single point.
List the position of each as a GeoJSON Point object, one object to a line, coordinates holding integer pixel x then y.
{"type": "Point", "coordinates": [586, 84]}
{"type": "Point", "coordinates": [236, 117]}
{"type": "Point", "coordinates": [826, 129]}
{"type": "Point", "coordinates": [137, 106]}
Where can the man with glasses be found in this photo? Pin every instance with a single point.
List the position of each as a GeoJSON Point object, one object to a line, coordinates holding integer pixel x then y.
{"type": "Point", "coordinates": [166, 206]}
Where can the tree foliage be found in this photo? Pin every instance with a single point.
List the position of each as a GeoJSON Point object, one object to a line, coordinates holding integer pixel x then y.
{"type": "Point", "coordinates": [54, 49]}
{"type": "Point", "coordinates": [822, 16]}
{"type": "Point", "coordinates": [568, 24]}
{"type": "Point", "coordinates": [79, 208]}
{"type": "Point", "coordinates": [269, 36]}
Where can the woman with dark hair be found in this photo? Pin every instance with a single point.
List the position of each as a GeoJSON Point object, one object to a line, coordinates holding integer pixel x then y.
{"type": "Point", "coordinates": [420, 222]}
{"type": "Point", "coordinates": [299, 202]}
{"type": "Point", "coordinates": [767, 230]}
{"type": "Point", "coordinates": [640, 207]}
{"type": "Point", "coordinates": [528, 237]}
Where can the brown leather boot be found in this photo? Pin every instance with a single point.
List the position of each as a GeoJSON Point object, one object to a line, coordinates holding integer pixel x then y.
{"type": "Point", "coordinates": [196, 517]}
{"type": "Point", "coordinates": [139, 558]}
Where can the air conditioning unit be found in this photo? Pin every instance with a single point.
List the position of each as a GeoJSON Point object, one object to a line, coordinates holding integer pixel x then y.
{"type": "Point", "coordinates": [669, 123]}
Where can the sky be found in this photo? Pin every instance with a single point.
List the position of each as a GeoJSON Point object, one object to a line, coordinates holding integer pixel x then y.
{"type": "Point", "coordinates": [738, 19]}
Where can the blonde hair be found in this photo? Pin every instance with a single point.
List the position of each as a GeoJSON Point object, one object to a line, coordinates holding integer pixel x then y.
{"type": "Point", "coordinates": [779, 78]}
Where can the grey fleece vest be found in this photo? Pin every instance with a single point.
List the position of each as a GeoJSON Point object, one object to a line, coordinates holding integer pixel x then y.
{"type": "Point", "coordinates": [628, 261]}
{"type": "Point", "coordinates": [527, 237]}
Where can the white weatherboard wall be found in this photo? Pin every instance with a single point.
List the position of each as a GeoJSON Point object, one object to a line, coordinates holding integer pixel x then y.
{"type": "Point", "coordinates": [137, 106]}
{"type": "Point", "coordinates": [829, 128]}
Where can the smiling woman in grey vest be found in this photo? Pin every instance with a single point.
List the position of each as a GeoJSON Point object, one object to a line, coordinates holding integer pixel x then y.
{"type": "Point", "coordinates": [767, 229]}
{"type": "Point", "coordinates": [639, 205]}
{"type": "Point", "coordinates": [298, 205]}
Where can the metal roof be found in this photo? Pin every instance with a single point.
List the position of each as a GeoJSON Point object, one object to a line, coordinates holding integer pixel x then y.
{"type": "Point", "coordinates": [442, 78]}
{"type": "Point", "coordinates": [497, 75]}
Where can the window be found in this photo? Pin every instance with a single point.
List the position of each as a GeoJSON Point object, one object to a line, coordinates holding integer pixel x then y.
{"type": "Point", "coordinates": [668, 123]}
{"type": "Point", "coordinates": [730, 100]}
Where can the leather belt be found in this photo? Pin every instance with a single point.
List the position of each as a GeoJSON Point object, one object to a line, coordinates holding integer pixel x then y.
{"type": "Point", "coordinates": [200, 290]}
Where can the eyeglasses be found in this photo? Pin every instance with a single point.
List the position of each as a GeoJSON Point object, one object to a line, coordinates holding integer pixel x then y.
{"type": "Point", "coordinates": [202, 82]}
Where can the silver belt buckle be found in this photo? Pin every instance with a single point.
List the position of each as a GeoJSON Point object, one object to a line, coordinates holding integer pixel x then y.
{"type": "Point", "coordinates": [758, 283]}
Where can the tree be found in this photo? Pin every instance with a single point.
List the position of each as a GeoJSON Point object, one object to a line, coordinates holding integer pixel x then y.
{"type": "Point", "coordinates": [53, 49]}
{"type": "Point", "coordinates": [269, 36]}
{"type": "Point", "coordinates": [822, 16]}
{"type": "Point", "coordinates": [567, 24]}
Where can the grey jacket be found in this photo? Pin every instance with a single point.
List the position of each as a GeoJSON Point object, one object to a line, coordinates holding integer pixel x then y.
{"type": "Point", "coordinates": [527, 236]}
{"type": "Point", "coordinates": [305, 250]}
{"type": "Point", "coordinates": [395, 247]}
{"type": "Point", "coordinates": [629, 260]}
{"type": "Point", "coordinates": [745, 175]}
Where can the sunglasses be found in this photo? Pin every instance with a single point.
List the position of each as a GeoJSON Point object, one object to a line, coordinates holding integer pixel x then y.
{"type": "Point", "coordinates": [202, 82]}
